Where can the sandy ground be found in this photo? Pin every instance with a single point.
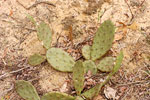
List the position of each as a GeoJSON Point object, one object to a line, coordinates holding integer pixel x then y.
{"type": "Point", "coordinates": [18, 40]}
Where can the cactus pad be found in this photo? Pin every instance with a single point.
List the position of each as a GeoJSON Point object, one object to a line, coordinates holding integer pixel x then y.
{"type": "Point", "coordinates": [26, 90]}
{"type": "Point", "coordinates": [78, 76]}
{"type": "Point", "coordinates": [60, 60]}
{"type": "Point", "coordinates": [31, 19]}
{"type": "Point", "coordinates": [86, 52]}
{"type": "Point", "coordinates": [36, 59]}
{"type": "Point", "coordinates": [89, 94]}
{"type": "Point", "coordinates": [103, 40]}
{"type": "Point", "coordinates": [115, 69]}
{"type": "Point", "coordinates": [118, 62]}
{"type": "Point", "coordinates": [90, 65]}
{"type": "Point", "coordinates": [44, 34]}
{"type": "Point", "coordinates": [106, 64]}
{"type": "Point", "coordinates": [57, 96]}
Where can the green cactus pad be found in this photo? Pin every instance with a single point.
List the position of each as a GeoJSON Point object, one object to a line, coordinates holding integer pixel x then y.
{"type": "Point", "coordinates": [31, 19]}
{"type": "Point", "coordinates": [116, 67]}
{"type": "Point", "coordinates": [89, 94]}
{"type": "Point", "coordinates": [36, 59]}
{"type": "Point", "coordinates": [86, 52]}
{"type": "Point", "coordinates": [26, 90]}
{"type": "Point", "coordinates": [106, 64]}
{"type": "Point", "coordinates": [103, 40]}
{"type": "Point", "coordinates": [44, 34]}
{"type": "Point", "coordinates": [57, 96]}
{"type": "Point", "coordinates": [90, 65]}
{"type": "Point", "coordinates": [78, 76]}
{"type": "Point", "coordinates": [60, 60]}
{"type": "Point", "coordinates": [79, 98]}
{"type": "Point", "coordinates": [118, 62]}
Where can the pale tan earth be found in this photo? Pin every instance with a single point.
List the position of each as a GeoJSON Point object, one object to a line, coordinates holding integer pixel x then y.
{"type": "Point", "coordinates": [18, 40]}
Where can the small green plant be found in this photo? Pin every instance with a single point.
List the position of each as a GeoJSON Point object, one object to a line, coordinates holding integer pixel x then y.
{"type": "Point", "coordinates": [90, 65]}
{"type": "Point", "coordinates": [36, 59]}
{"type": "Point", "coordinates": [27, 91]}
{"type": "Point", "coordinates": [78, 80]}
{"type": "Point", "coordinates": [78, 77]}
{"type": "Point", "coordinates": [86, 52]}
{"type": "Point", "coordinates": [62, 61]}
{"type": "Point", "coordinates": [106, 64]}
{"type": "Point", "coordinates": [44, 34]}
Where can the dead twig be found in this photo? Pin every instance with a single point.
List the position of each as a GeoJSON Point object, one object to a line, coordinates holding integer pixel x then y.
{"type": "Point", "coordinates": [145, 73]}
{"type": "Point", "coordinates": [126, 93]}
{"type": "Point", "coordinates": [141, 4]}
{"type": "Point", "coordinates": [41, 77]}
{"type": "Point", "coordinates": [71, 34]}
{"type": "Point", "coordinates": [130, 11]}
{"type": "Point", "coordinates": [83, 41]}
{"type": "Point", "coordinates": [133, 83]}
{"type": "Point", "coordinates": [37, 3]}
{"type": "Point", "coordinates": [12, 72]}
{"type": "Point", "coordinates": [10, 89]}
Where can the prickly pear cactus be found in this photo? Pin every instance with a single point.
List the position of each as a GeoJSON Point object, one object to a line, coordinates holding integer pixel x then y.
{"type": "Point", "coordinates": [118, 62]}
{"type": "Point", "coordinates": [106, 64]}
{"type": "Point", "coordinates": [78, 76]}
{"type": "Point", "coordinates": [79, 98]}
{"type": "Point", "coordinates": [103, 40]}
{"type": "Point", "coordinates": [36, 59]}
{"type": "Point", "coordinates": [31, 19]}
{"type": "Point", "coordinates": [60, 60]}
{"type": "Point", "coordinates": [26, 90]}
{"type": "Point", "coordinates": [116, 67]}
{"type": "Point", "coordinates": [44, 34]}
{"type": "Point", "coordinates": [89, 94]}
{"type": "Point", "coordinates": [90, 65]}
{"type": "Point", "coordinates": [86, 52]}
{"type": "Point", "coordinates": [57, 96]}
